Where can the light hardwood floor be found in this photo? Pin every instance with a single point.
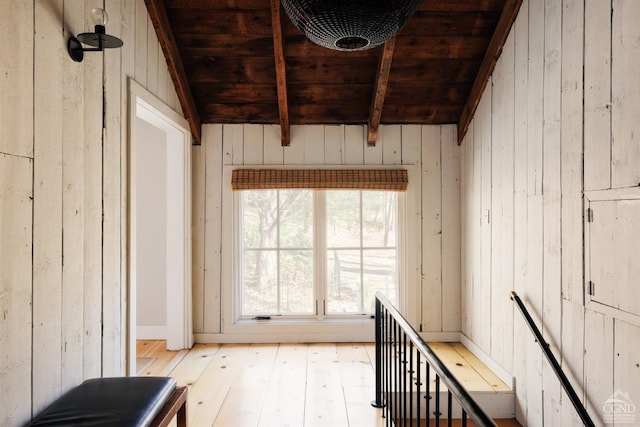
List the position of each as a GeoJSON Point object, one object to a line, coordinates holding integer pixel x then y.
{"type": "Point", "coordinates": [296, 385]}
{"type": "Point", "coordinates": [270, 385]}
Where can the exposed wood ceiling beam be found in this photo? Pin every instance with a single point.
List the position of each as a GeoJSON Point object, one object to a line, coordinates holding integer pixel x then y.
{"type": "Point", "coordinates": [508, 16]}
{"type": "Point", "coordinates": [281, 75]}
{"type": "Point", "coordinates": [382, 78]}
{"type": "Point", "coordinates": [160, 21]}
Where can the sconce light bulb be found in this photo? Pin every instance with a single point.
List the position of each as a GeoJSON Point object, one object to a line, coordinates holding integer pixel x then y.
{"type": "Point", "coordinates": [99, 17]}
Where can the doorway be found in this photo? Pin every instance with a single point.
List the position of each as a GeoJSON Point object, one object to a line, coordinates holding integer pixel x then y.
{"type": "Point", "coordinates": [159, 243]}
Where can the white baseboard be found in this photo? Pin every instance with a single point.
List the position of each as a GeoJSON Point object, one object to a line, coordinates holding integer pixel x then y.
{"type": "Point", "coordinates": [207, 338]}
{"type": "Point", "coordinates": [497, 369]}
{"type": "Point", "coordinates": [151, 332]}
{"type": "Point", "coordinates": [266, 338]}
{"type": "Point", "coordinates": [440, 336]}
{"type": "Point", "coordinates": [495, 404]}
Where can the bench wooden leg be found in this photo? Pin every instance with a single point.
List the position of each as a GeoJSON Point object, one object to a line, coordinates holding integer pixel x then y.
{"type": "Point", "coordinates": [182, 415]}
{"type": "Point", "coordinates": [176, 406]}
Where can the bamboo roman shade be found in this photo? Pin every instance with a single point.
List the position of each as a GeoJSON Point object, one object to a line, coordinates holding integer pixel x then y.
{"type": "Point", "coordinates": [320, 179]}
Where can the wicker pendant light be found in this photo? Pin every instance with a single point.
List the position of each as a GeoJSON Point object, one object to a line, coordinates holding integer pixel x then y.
{"type": "Point", "coordinates": [349, 25]}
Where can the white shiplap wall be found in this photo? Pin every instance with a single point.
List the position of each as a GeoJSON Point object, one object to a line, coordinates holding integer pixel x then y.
{"type": "Point", "coordinates": [62, 195]}
{"type": "Point", "coordinates": [559, 117]}
{"type": "Point", "coordinates": [435, 255]}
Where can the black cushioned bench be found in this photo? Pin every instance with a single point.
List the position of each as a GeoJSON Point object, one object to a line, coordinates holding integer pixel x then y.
{"type": "Point", "coordinates": [121, 402]}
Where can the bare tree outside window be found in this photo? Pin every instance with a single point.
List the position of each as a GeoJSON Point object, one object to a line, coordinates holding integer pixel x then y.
{"type": "Point", "coordinates": [280, 249]}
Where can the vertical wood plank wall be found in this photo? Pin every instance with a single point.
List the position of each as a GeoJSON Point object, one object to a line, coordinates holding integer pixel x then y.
{"type": "Point", "coordinates": [62, 204]}
{"type": "Point", "coordinates": [435, 255]}
{"type": "Point", "coordinates": [559, 117]}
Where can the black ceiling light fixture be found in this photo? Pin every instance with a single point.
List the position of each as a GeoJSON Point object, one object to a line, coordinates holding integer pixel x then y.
{"type": "Point", "coordinates": [99, 38]}
{"type": "Point", "coordinates": [349, 25]}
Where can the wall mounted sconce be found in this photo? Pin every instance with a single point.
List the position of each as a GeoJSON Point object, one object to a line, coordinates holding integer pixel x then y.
{"type": "Point", "coordinates": [99, 39]}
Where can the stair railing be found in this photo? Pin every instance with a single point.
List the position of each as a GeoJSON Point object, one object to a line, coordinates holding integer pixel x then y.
{"type": "Point", "coordinates": [564, 381]}
{"type": "Point", "coordinates": [400, 354]}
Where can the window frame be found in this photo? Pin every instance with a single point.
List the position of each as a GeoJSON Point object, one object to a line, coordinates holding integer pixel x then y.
{"type": "Point", "coordinates": [333, 329]}
{"type": "Point", "coordinates": [238, 212]}
{"type": "Point", "coordinates": [319, 248]}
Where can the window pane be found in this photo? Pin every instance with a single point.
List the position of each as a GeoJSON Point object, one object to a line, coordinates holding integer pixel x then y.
{"type": "Point", "coordinates": [278, 253]}
{"type": "Point", "coordinates": [344, 293]}
{"type": "Point", "coordinates": [259, 282]}
{"type": "Point", "coordinates": [380, 275]}
{"type": "Point", "coordinates": [343, 219]}
{"type": "Point", "coordinates": [296, 219]}
{"type": "Point", "coordinates": [379, 218]}
{"type": "Point", "coordinates": [296, 282]}
{"type": "Point", "coordinates": [260, 218]}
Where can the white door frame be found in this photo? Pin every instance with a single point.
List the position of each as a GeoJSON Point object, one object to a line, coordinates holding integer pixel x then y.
{"type": "Point", "coordinates": [146, 106]}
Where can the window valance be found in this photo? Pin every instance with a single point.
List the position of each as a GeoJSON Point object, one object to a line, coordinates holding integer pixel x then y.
{"type": "Point", "coordinates": [320, 179]}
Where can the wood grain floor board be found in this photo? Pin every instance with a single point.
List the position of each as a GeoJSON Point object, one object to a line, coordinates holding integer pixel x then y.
{"type": "Point", "coordinates": [290, 385]}
{"type": "Point", "coordinates": [324, 395]}
{"type": "Point", "coordinates": [285, 397]}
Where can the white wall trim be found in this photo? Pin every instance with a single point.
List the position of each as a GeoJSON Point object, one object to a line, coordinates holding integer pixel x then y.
{"type": "Point", "coordinates": [151, 332]}
{"type": "Point", "coordinates": [237, 331]}
{"type": "Point", "coordinates": [440, 336]}
{"type": "Point", "coordinates": [497, 369]}
{"type": "Point", "coordinates": [143, 104]}
{"type": "Point", "coordinates": [279, 337]}
{"type": "Point", "coordinates": [351, 334]}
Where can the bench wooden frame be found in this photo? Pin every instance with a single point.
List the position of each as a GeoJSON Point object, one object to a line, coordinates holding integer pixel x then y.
{"type": "Point", "coordinates": [175, 406]}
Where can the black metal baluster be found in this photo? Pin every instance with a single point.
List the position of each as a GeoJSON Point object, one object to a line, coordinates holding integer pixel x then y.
{"type": "Point", "coordinates": [398, 340]}
{"type": "Point", "coordinates": [404, 379]}
{"type": "Point", "coordinates": [377, 403]}
{"type": "Point", "coordinates": [449, 407]}
{"type": "Point", "coordinates": [389, 372]}
{"type": "Point", "coordinates": [411, 383]}
{"type": "Point", "coordinates": [390, 363]}
{"type": "Point", "coordinates": [396, 359]}
{"type": "Point", "coordinates": [418, 384]}
{"type": "Point", "coordinates": [385, 368]}
{"type": "Point", "coordinates": [428, 389]}
{"type": "Point", "coordinates": [436, 410]}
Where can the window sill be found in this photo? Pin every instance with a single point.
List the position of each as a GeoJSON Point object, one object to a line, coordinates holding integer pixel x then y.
{"type": "Point", "coordinates": [294, 330]}
{"type": "Point", "coordinates": [302, 321]}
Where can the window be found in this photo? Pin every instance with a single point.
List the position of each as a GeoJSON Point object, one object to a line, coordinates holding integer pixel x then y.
{"type": "Point", "coordinates": [316, 253]}
{"type": "Point", "coordinates": [277, 252]}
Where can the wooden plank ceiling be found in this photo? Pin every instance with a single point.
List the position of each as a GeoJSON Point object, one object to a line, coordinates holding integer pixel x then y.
{"type": "Point", "coordinates": [235, 63]}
